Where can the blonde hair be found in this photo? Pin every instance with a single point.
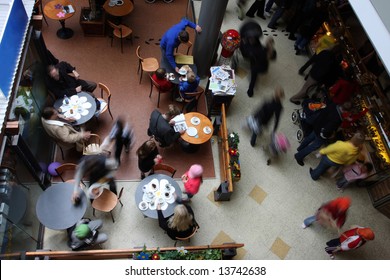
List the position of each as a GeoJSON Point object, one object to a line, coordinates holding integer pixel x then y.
{"type": "Point", "coordinates": [146, 148]}
{"type": "Point", "coordinates": [357, 139]}
{"type": "Point", "coordinates": [191, 77]}
{"type": "Point", "coordinates": [181, 219]}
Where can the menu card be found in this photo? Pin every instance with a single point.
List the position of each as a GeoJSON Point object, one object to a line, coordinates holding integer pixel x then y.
{"type": "Point", "coordinates": [180, 123]}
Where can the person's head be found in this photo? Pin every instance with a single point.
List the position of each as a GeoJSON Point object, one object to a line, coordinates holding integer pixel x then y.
{"type": "Point", "coordinates": [191, 77]}
{"type": "Point", "coordinates": [53, 72]}
{"type": "Point", "coordinates": [181, 219]}
{"type": "Point", "coordinates": [184, 37]}
{"type": "Point", "coordinates": [343, 204]}
{"type": "Point", "coordinates": [160, 73]}
{"type": "Point", "coordinates": [279, 93]}
{"type": "Point", "coordinates": [357, 139]}
{"type": "Point", "coordinates": [49, 113]}
{"type": "Point", "coordinates": [173, 111]}
{"type": "Point", "coordinates": [146, 148]}
{"type": "Point", "coordinates": [366, 233]}
{"type": "Point", "coordinates": [195, 171]}
{"type": "Point", "coordinates": [82, 231]}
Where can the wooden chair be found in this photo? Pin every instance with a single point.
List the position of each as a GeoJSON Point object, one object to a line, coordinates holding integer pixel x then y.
{"type": "Point", "coordinates": [107, 201]}
{"type": "Point", "coordinates": [39, 7]}
{"type": "Point", "coordinates": [104, 103]}
{"type": "Point", "coordinates": [149, 64]}
{"type": "Point", "coordinates": [66, 171]}
{"type": "Point", "coordinates": [154, 83]}
{"type": "Point", "coordinates": [188, 45]}
{"type": "Point", "coordinates": [190, 96]}
{"type": "Point", "coordinates": [188, 237]}
{"type": "Point", "coordinates": [92, 145]}
{"type": "Point", "coordinates": [165, 167]}
{"type": "Point", "coordinates": [120, 31]}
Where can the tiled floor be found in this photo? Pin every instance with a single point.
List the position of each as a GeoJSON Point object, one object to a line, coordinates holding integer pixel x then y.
{"type": "Point", "coordinates": [269, 202]}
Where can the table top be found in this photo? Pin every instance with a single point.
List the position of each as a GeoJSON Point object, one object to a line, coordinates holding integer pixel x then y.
{"type": "Point", "coordinates": [201, 137]}
{"type": "Point", "coordinates": [55, 209]}
{"type": "Point", "coordinates": [165, 64]}
{"type": "Point", "coordinates": [86, 104]}
{"type": "Point", "coordinates": [51, 12]}
{"type": "Point", "coordinates": [119, 11]}
{"type": "Point", "coordinates": [141, 194]}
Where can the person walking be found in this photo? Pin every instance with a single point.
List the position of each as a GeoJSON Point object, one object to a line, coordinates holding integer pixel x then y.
{"type": "Point", "coordinates": [331, 214]}
{"type": "Point", "coordinates": [192, 179]}
{"type": "Point", "coordinates": [263, 115]}
{"type": "Point", "coordinates": [351, 239]}
{"type": "Point", "coordinates": [148, 156]}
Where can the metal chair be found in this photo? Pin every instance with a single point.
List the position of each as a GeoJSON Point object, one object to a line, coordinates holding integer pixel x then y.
{"type": "Point", "coordinates": [191, 97]}
{"type": "Point", "coordinates": [154, 83]}
{"type": "Point", "coordinates": [164, 167]}
{"type": "Point", "coordinates": [107, 201]}
{"type": "Point", "coordinates": [120, 31]}
{"type": "Point", "coordinates": [149, 64]}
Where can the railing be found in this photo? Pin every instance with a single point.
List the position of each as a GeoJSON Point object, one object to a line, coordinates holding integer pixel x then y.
{"type": "Point", "coordinates": [106, 254]}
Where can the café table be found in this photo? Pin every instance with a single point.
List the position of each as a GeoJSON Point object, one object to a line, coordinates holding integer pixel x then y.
{"type": "Point", "coordinates": [55, 209]}
{"type": "Point", "coordinates": [203, 128]}
{"type": "Point", "coordinates": [53, 10]}
{"type": "Point", "coordinates": [145, 187]}
{"type": "Point", "coordinates": [119, 10]}
{"type": "Point", "coordinates": [82, 107]}
{"type": "Point", "coordinates": [165, 64]}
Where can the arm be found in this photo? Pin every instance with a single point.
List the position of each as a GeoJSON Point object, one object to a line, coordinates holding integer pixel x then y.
{"type": "Point", "coordinates": [68, 135]}
{"type": "Point", "coordinates": [162, 222]}
{"type": "Point", "coordinates": [169, 50]}
{"type": "Point", "coordinates": [77, 179]}
{"type": "Point", "coordinates": [328, 149]}
{"type": "Point", "coordinates": [277, 118]}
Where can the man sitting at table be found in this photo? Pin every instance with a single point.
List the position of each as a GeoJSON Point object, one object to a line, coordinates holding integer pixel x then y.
{"type": "Point", "coordinates": [161, 126]}
{"type": "Point", "coordinates": [172, 39]}
{"type": "Point", "coordinates": [60, 128]}
{"type": "Point", "coordinates": [63, 79]}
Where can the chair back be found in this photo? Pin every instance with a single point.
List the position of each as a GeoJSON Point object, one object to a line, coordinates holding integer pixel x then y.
{"type": "Point", "coordinates": [137, 52]}
{"type": "Point", "coordinates": [106, 202]}
{"type": "Point", "coordinates": [191, 98]}
{"type": "Point", "coordinates": [165, 168]}
{"type": "Point", "coordinates": [66, 171]}
{"type": "Point", "coordinates": [104, 90]}
{"type": "Point", "coordinates": [188, 45]}
{"type": "Point", "coordinates": [92, 145]}
{"type": "Point", "coordinates": [114, 26]}
{"type": "Point", "coordinates": [154, 83]}
{"type": "Point", "coordinates": [195, 230]}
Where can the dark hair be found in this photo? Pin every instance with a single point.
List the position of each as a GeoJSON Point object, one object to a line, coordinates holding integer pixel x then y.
{"type": "Point", "coordinates": [48, 112]}
{"type": "Point", "coordinates": [369, 166]}
{"type": "Point", "coordinates": [160, 73]}
{"type": "Point", "coordinates": [183, 36]}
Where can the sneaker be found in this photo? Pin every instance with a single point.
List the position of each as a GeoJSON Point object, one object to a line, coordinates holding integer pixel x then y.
{"type": "Point", "coordinates": [267, 14]}
{"type": "Point", "coordinates": [303, 226]}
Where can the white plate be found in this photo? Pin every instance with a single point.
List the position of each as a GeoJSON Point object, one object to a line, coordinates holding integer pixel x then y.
{"type": "Point", "coordinates": [146, 198]}
{"type": "Point", "coordinates": [195, 120]}
{"type": "Point", "coordinates": [172, 78]}
{"type": "Point", "coordinates": [86, 105]}
{"type": "Point", "coordinates": [207, 130]}
{"type": "Point", "coordinates": [150, 185]}
{"type": "Point", "coordinates": [182, 72]}
{"type": "Point", "coordinates": [171, 200]}
{"type": "Point", "coordinates": [84, 112]}
{"type": "Point", "coordinates": [192, 131]}
{"type": "Point", "coordinates": [164, 206]}
{"type": "Point", "coordinates": [111, 4]}
{"type": "Point", "coordinates": [83, 99]}
{"type": "Point", "coordinates": [152, 207]}
{"type": "Point", "coordinates": [143, 205]}
{"type": "Point", "coordinates": [74, 98]}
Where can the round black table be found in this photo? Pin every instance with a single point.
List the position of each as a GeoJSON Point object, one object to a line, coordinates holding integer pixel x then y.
{"type": "Point", "coordinates": [139, 194]}
{"type": "Point", "coordinates": [165, 64]}
{"type": "Point", "coordinates": [91, 111]}
{"type": "Point", "coordinates": [55, 209]}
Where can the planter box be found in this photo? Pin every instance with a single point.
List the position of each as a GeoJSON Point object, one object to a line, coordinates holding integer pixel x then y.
{"type": "Point", "coordinates": [92, 27]}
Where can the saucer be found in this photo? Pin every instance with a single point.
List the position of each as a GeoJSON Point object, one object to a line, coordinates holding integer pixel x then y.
{"type": "Point", "coordinates": [182, 72]}
{"type": "Point", "coordinates": [111, 4]}
{"type": "Point", "coordinates": [195, 120]}
{"type": "Point", "coordinates": [192, 131]}
{"type": "Point", "coordinates": [143, 206]}
{"type": "Point", "coordinates": [86, 105]}
{"type": "Point", "coordinates": [207, 130]}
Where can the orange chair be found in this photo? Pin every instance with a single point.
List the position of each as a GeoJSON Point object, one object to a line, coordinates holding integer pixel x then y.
{"type": "Point", "coordinates": [107, 201]}
{"type": "Point", "coordinates": [155, 84]}
{"type": "Point", "coordinates": [120, 31]}
{"type": "Point", "coordinates": [149, 64]}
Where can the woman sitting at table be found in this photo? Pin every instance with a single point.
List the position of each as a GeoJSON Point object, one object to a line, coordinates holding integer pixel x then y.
{"type": "Point", "coordinates": [148, 156]}
{"type": "Point", "coordinates": [160, 78]}
{"type": "Point", "coordinates": [60, 129]}
{"type": "Point", "coordinates": [190, 85]}
{"type": "Point", "coordinates": [181, 224]}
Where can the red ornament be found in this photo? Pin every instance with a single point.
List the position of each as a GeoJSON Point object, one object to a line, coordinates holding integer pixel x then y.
{"type": "Point", "coordinates": [155, 257]}
{"type": "Point", "coordinates": [230, 42]}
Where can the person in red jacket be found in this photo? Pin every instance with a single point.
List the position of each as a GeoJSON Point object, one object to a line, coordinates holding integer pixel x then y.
{"type": "Point", "coordinates": [192, 180]}
{"type": "Point", "coordinates": [331, 214]}
{"type": "Point", "coordinates": [344, 88]}
{"type": "Point", "coordinates": [160, 78]}
{"type": "Point", "coordinates": [349, 240]}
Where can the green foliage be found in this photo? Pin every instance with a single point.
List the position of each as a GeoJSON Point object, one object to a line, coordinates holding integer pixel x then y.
{"type": "Point", "coordinates": [179, 254]}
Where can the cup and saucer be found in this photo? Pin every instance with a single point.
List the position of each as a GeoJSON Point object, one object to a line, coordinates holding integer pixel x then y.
{"type": "Point", "coordinates": [119, 3]}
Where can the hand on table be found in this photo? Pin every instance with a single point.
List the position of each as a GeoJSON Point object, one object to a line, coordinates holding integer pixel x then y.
{"type": "Point", "coordinates": [177, 69]}
{"type": "Point", "coordinates": [78, 89]}
{"type": "Point", "coordinates": [158, 206]}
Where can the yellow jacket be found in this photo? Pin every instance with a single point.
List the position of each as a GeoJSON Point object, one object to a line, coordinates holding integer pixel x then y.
{"type": "Point", "coordinates": [341, 152]}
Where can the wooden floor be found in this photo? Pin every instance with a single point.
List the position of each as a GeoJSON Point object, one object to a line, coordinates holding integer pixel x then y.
{"type": "Point", "coordinates": [96, 60]}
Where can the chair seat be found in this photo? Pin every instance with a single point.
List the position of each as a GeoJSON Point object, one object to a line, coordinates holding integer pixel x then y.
{"type": "Point", "coordinates": [103, 106]}
{"type": "Point", "coordinates": [126, 31]}
{"type": "Point", "coordinates": [106, 201]}
{"type": "Point", "coordinates": [150, 64]}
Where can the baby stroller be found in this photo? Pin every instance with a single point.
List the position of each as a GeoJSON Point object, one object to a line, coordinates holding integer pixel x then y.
{"type": "Point", "coordinates": [306, 116]}
{"type": "Point", "coordinates": [279, 144]}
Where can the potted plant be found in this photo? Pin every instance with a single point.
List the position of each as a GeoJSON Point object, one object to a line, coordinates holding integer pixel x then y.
{"type": "Point", "coordinates": [179, 254]}
{"type": "Point", "coordinates": [233, 140]}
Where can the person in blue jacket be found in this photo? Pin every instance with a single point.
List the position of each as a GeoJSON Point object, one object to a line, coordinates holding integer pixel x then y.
{"type": "Point", "coordinates": [172, 39]}
{"type": "Point", "coordinates": [189, 85]}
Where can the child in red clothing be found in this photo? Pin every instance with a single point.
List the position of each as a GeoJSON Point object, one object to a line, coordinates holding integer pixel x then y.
{"type": "Point", "coordinates": [161, 79]}
{"type": "Point", "coordinates": [192, 180]}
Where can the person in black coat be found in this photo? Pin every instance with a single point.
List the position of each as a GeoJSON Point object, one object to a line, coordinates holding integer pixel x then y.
{"type": "Point", "coordinates": [161, 126]}
{"type": "Point", "coordinates": [181, 224]}
{"type": "Point", "coordinates": [148, 156]}
{"type": "Point", "coordinates": [264, 114]}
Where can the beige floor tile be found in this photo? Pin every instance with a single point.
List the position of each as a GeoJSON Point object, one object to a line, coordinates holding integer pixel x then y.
{"type": "Point", "coordinates": [258, 194]}
{"type": "Point", "coordinates": [280, 248]}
